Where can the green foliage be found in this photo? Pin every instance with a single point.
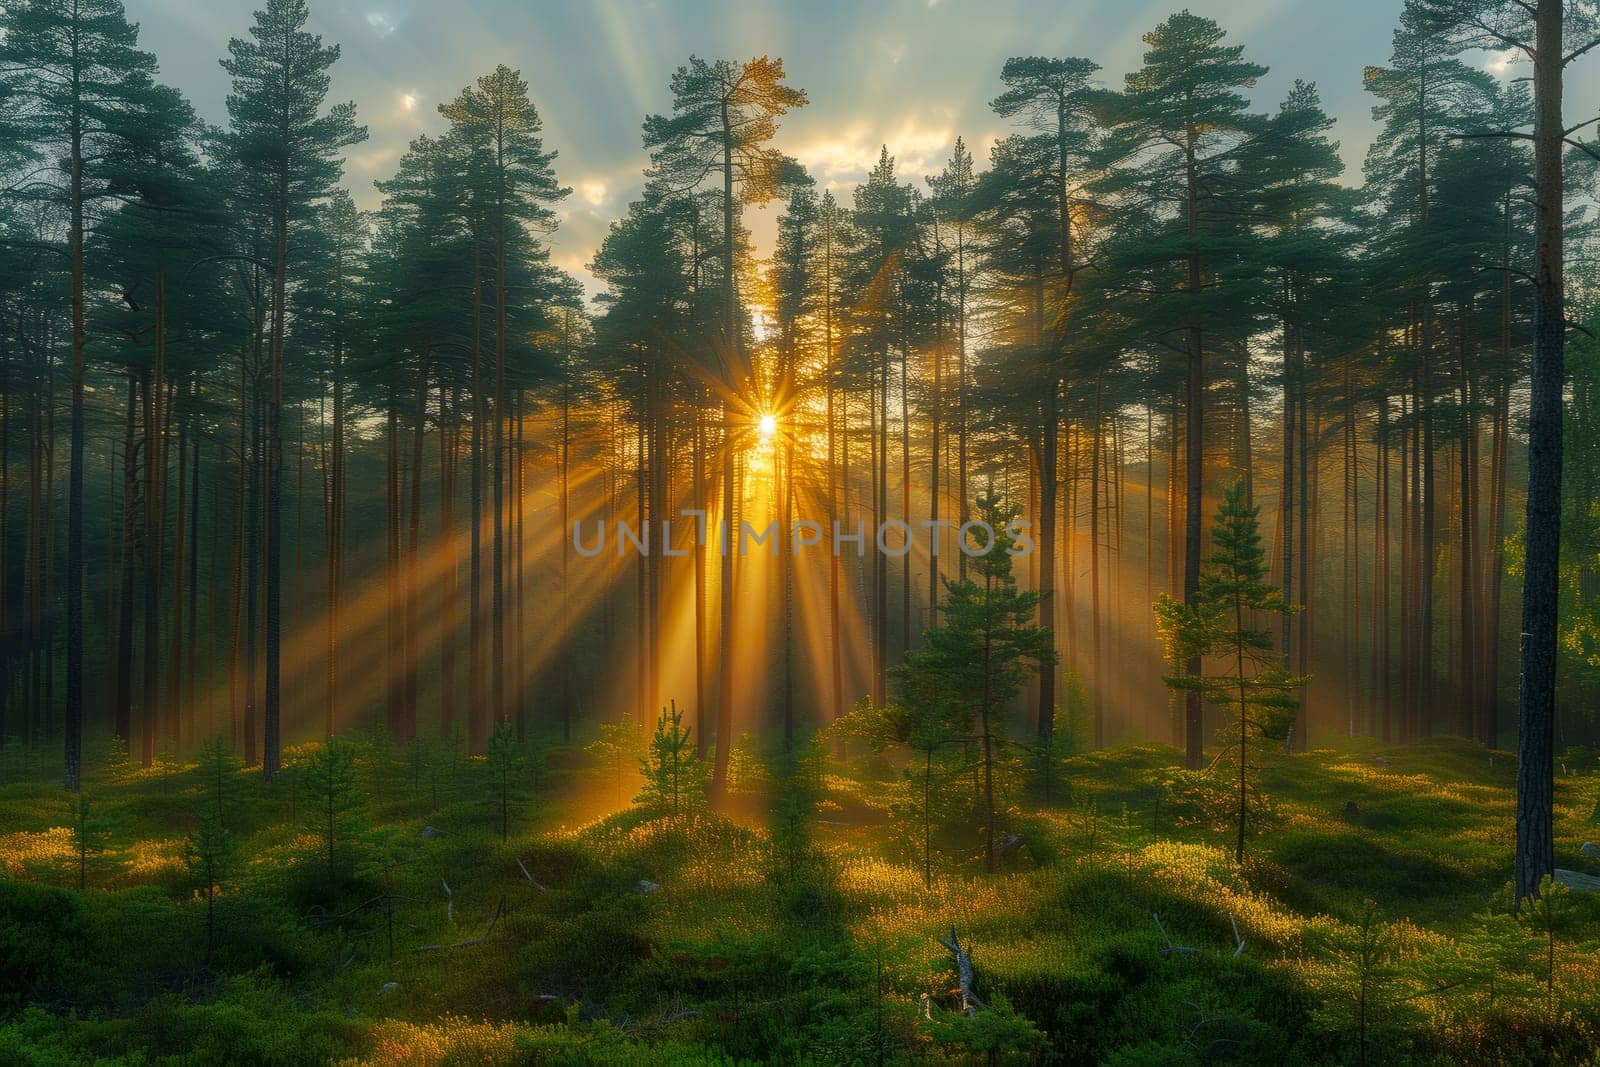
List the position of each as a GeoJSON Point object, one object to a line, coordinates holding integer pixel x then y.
{"type": "Point", "coordinates": [1494, 956]}
{"type": "Point", "coordinates": [1550, 914]}
{"type": "Point", "coordinates": [89, 836]}
{"type": "Point", "coordinates": [674, 775]}
{"type": "Point", "coordinates": [1365, 969]}
{"type": "Point", "coordinates": [617, 750]}
{"type": "Point", "coordinates": [877, 727]}
{"type": "Point", "coordinates": [504, 758]}
{"type": "Point", "coordinates": [209, 856]}
{"type": "Point", "coordinates": [218, 770]}
{"type": "Point", "coordinates": [976, 661]}
{"type": "Point", "coordinates": [747, 771]}
{"type": "Point", "coordinates": [796, 777]}
{"type": "Point", "coordinates": [1070, 735]}
{"type": "Point", "coordinates": [280, 79]}
{"type": "Point", "coordinates": [335, 804]}
{"type": "Point", "coordinates": [998, 1031]}
{"type": "Point", "coordinates": [1234, 591]}
{"type": "Point", "coordinates": [434, 768]}
{"type": "Point", "coordinates": [768, 942]}
{"type": "Point", "coordinates": [954, 688]}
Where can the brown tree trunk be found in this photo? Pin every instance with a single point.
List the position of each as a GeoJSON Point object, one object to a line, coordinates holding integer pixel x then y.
{"type": "Point", "coordinates": [122, 715]}
{"type": "Point", "coordinates": [1535, 853]}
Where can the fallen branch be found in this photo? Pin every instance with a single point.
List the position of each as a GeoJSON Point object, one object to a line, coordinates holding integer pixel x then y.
{"type": "Point", "coordinates": [532, 880]}
{"type": "Point", "coordinates": [449, 901]}
{"type": "Point", "coordinates": [1171, 948]}
{"type": "Point", "coordinates": [1238, 941]}
{"type": "Point", "coordinates": [969, 1000]}
{"type": "Point", "coordinates": [481, 938]}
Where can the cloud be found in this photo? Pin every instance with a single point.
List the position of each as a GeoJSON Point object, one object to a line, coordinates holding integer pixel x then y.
{"type": "Point", "coordinates": [382, 22]}
{"type": "Point", "coordinates": [918, 143]}
{"type": "Point", "coordinates": [1499, 64]}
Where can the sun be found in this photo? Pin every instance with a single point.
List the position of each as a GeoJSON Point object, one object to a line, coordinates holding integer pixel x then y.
{"type": "Point", "coordinates": [767, 425]}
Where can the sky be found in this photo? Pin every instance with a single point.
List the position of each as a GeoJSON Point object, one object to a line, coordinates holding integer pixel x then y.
{"type": "Point", "coordinates": [909, 74]}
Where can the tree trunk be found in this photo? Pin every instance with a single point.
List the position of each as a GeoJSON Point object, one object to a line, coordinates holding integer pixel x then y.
{"type": "Point", "coordinates": [175, 691]}
{"type": "Point", "coordinates": [1049, 431]}
{"type": "Point", "coordinates": [449, 431]}
{"type": "Point", "coordinates": [191, 639]}
{"type": "Point", "coordinates": [122, 715]}
{"type": "Point", "coordinates": [72, 734]}
{"type": "Point", "coordinates": [272, 712]}
{"type": "Point", "coordinates": [497, 593]}
{"type": "Point", "coordinates": [408, 726]}
{"type": "Point", "coordinates": [477, 730]}
{"type": "Point", "coordinates": [1535, 854]}
{"type": "Point", "coordinates": [1194, 712]}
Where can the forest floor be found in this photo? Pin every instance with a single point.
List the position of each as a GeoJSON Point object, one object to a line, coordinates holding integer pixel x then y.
{"type": "Point", "coordinates": [1369, 922]}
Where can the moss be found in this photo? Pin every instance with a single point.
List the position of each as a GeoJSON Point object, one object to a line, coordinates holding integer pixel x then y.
{"type": "Point", "coordinates": [745, 951]}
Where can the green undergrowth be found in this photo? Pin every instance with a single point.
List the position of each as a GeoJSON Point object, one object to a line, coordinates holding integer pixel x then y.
{"type": "Point", "coordinates": [1369, 922]}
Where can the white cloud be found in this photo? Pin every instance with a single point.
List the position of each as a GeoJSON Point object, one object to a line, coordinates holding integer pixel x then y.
{"type": "Point", "coordinates": [844, 157]}
{"type": "Point", "coordinates": [1499, 63]}
{"type": "Point", "coordinates": [382, 23]}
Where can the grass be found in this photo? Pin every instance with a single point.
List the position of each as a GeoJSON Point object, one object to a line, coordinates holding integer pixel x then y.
{"type": "Point", "coordinates": [698, 940]}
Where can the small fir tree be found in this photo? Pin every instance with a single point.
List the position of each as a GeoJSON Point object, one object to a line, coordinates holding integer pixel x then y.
{"type": "Point", "coordinates": [219, 778]}
{"type": "Point", "coordinates": [88, 835]}
{"type": "Point", "coordinates": [970, 669]}
{"type": "Point", "coordinates": [505, 760]}
{"type": "Point", "coordinates": [673, 772]}
{"type": "Point", "coordinates": [208, 855]}
{"type": "Point", "coordinates": [1219, 626]}
{"type": "Point", "coordinates": [335, 799]}
{"type": "Point", "coordinates": [616, 748]}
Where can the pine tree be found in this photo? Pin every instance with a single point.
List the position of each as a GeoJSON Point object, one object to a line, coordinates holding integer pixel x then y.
{"type": "Point", "coordinates": [674, 775]}
{"type": "Point", "coordinates": [75, 68]}
{"type": "Point", "coordinates": [89, 833]}
{"type": "Point", "coordinates": [724, 113]}
{"type": "Point", "coordinates": [209, 855]}
{"type": "Point", "coordinates": [884, 234]}
{"type": "Point", "coordinates": [1553, 34]}
{"type": "Point", "coordinates": [505, 760]}
{"type": "Point", "coordinates": [1221, 624]}
{"type": "Point", "coordinates": [1311, 287]}
{"type": "Point", "coordinates": [290, 151]}
{"type": "Point", "coordinates": [512, 182]}
{"type": "Point", "coordinates": [795, 283]}
{"type": "Point", "coordinates": [1426, 97]}
{"type": "Point", "coordinates": [218, 771]}
{"type": "Point", "coordinates": [336, 800]}
{"type": "Point", "coordinates": [165, 225]}
{"type": "Point", "coordinates": [979, 658]}
{"type": "Point", "coordinates": [638, 343]}
{"type": "Point", "coordinates": [326, 310]}
{"type": "Point", "coordinates": [1052, 98]}
{"type": "Point", "coordinates": [1174, 138]}
{"type": "Point", "coordinates": [417, 285]}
